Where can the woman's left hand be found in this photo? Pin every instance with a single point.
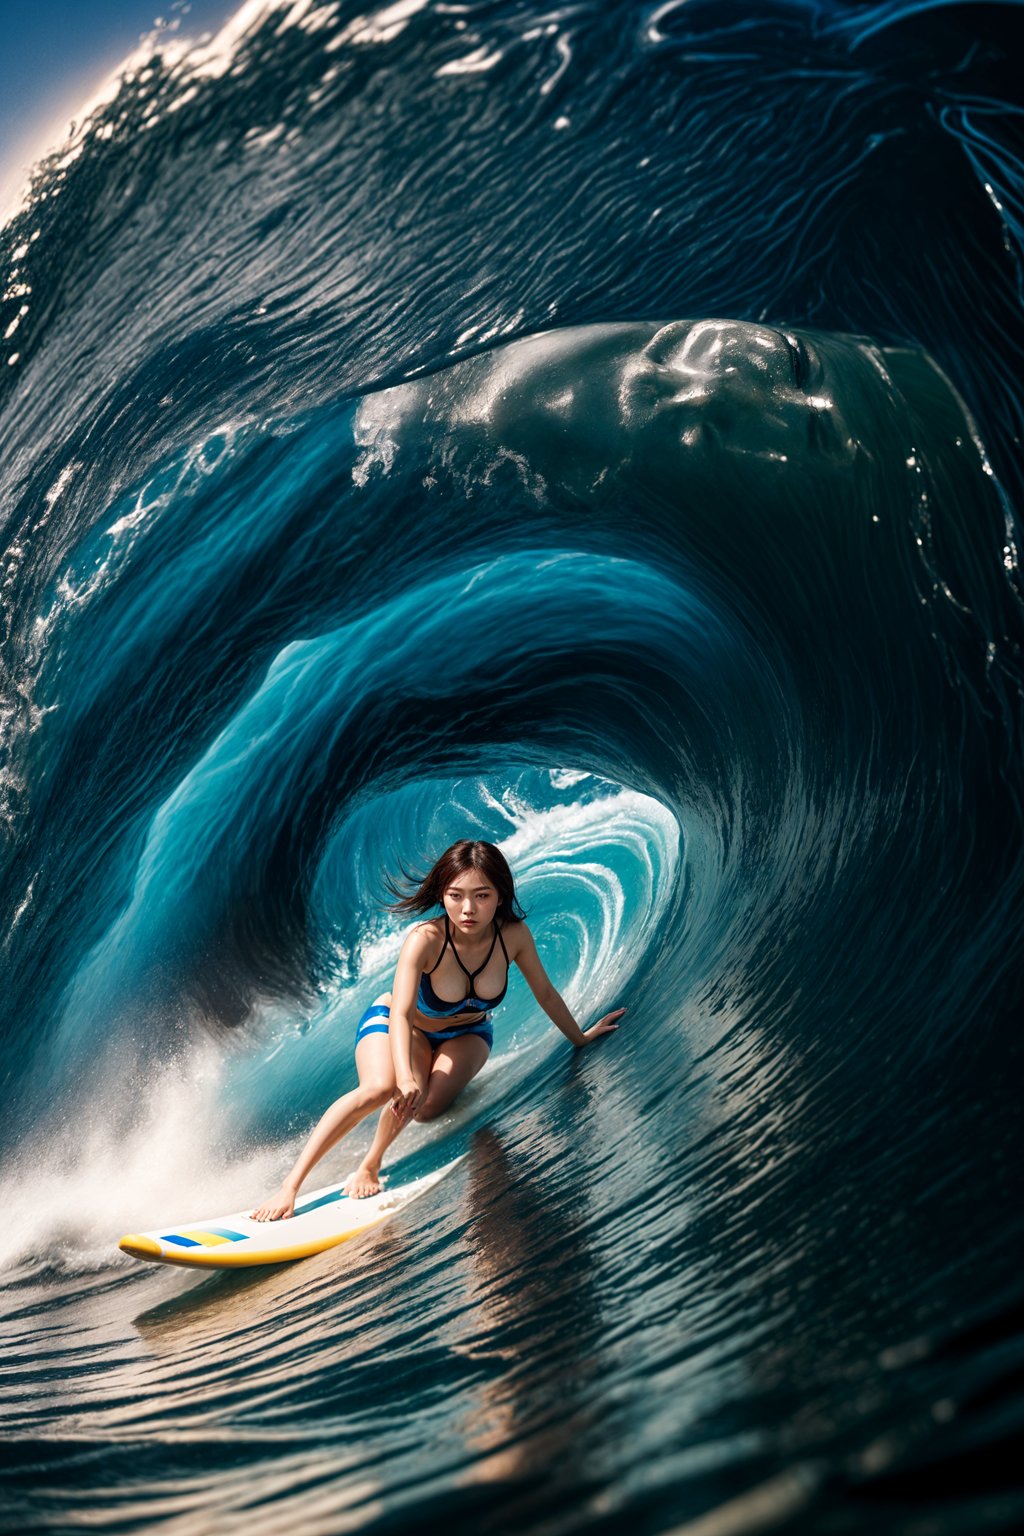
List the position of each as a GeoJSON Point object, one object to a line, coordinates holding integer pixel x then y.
{"type": "Point", "coordinates": [606, 1026]}
{"type": "Point", "coordinates": [406, 1099]}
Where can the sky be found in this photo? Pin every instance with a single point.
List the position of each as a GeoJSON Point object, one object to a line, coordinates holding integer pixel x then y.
{"type": "Point", "coordinates": [54, 54]}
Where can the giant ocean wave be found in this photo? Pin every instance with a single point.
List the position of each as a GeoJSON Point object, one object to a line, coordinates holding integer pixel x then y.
{"type": "Point", "coordinates": [351, 504]}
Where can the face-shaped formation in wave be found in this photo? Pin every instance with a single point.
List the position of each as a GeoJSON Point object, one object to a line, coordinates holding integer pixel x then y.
{"type": "Point", "coordinates": [705, 405]}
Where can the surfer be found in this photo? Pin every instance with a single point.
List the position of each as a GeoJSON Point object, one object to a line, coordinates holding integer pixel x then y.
{"type": "Point", "coordinates": [418, 1045]}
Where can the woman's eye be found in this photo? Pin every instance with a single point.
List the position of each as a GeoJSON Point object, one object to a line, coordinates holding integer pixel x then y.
{"type": "Point", "coordinates": [798, 359]}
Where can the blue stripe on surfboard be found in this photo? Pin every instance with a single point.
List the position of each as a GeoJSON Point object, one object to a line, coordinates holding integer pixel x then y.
{"type": "Point", "coordinates": [313, 1205]}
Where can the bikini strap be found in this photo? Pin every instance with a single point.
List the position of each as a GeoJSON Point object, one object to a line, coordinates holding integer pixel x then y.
{"type": "Point", "coordinates": [473, 974]}
{"type": "Point", "coordinates": [490, 952]}
{"type": "Point", "coordinates": [444, 946]}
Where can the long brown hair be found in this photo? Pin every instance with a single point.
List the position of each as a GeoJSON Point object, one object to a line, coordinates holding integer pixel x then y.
{"type": "Point", "coordinates": [461, 857]}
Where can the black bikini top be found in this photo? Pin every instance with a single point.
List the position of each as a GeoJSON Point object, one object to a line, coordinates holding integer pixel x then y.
{"type": "Point", "coordinates": [442, 1006]}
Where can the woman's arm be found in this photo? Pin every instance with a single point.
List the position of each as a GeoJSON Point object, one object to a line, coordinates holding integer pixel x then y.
{"type": "Point", "coordinates": [543, 989]}
{"type": "Point", "coordinates": [403, 1005]}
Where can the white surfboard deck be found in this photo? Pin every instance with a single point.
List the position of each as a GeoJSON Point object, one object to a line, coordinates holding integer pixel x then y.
{"type": "Point", "coordinates": [323, 1219]}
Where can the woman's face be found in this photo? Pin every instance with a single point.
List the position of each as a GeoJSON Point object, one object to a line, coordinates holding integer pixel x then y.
{"type": "Point", "coordinates": [471, 902]}
{"type": "Point", "coordinates": [692, 398]}
{"type": "Point", "coordinates": [721, 418]}
{"type": "Point", "coordinates": [725, 386]}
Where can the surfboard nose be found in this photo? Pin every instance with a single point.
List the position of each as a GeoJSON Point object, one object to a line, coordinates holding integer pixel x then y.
{"type": "Point", "coordinates": [140, 1247]}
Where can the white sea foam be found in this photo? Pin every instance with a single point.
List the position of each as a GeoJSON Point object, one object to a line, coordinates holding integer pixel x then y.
{"type": "Point", "coordinates": [73, 1191]}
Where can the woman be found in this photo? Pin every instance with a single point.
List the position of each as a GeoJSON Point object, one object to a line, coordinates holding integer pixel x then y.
{"type": "Point", "coordinates": [452, 971]}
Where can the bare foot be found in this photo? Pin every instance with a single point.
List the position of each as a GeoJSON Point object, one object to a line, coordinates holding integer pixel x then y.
{"type": "Point", "coordinates": [365, 1181]}
{"type": "Point", "coordinates": [281, 1205]}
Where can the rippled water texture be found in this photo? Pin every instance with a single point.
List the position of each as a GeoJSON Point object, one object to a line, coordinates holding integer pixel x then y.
{"type": "Point", "coordinates": [595, 430]}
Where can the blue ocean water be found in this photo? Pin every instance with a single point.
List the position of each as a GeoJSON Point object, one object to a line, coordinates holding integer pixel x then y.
{"type": "Point", "coordinates": [283, 610]}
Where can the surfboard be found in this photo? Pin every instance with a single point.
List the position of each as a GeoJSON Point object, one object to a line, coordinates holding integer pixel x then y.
{"type": "Point", "coordinates": [322, 1219]}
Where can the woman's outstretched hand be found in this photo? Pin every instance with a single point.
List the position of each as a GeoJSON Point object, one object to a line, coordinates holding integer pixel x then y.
{"type": "Point", "coordinates": [606, 1026]}
{"type": "Point", "coordinates": [407, 1097]}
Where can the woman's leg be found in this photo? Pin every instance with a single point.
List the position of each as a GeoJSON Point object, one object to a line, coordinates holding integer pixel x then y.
{"type": "Point", "coordinates": [366, 1179]}
{"type": "Point", "coordinates": [455, 1063]}
{"type": "Point", "coordinates": [376, 1085]}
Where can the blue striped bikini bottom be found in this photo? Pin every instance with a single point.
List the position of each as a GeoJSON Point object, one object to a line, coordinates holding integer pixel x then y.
{"type": "Point", "coordinates": [374, 1022]}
